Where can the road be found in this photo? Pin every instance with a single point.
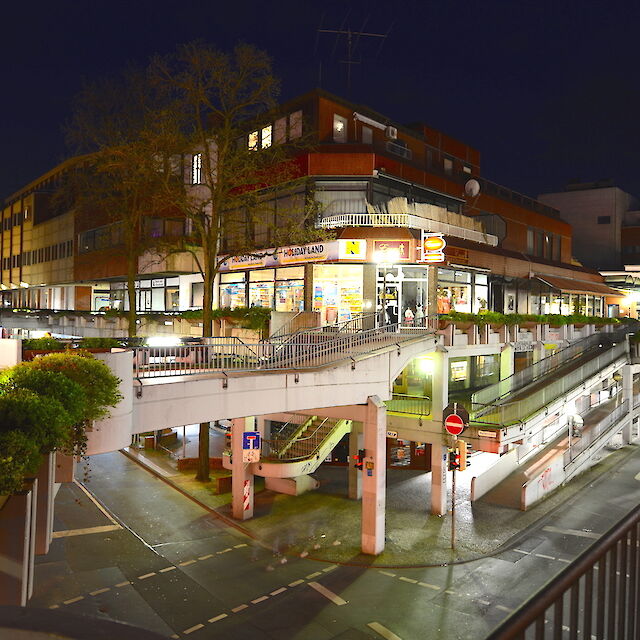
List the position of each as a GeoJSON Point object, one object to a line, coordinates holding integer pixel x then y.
{"type": "Point", "coordinates": [135, 550]}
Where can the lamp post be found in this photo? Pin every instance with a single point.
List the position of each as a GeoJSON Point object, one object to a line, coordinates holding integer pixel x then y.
{"type": "Point", "coordinates": [385, 258]}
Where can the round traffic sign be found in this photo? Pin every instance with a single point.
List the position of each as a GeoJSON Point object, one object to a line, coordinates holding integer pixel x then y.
{"type": "Point", "coordinates": [454, 424]}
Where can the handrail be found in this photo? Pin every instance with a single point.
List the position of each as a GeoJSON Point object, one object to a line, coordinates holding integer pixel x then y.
{"type": "Point", "coordinates": [613, 603]}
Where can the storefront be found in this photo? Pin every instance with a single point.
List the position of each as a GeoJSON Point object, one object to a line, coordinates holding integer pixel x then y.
{"type": "Point", "coordinates": [155, 294]}
{"type": "Point", "coordinates": [464, 290]}
{"type": "Point", "coordinates": [337, 291]}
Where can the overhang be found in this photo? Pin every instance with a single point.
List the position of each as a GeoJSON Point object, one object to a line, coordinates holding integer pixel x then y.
{"type": "Point", "coordinates": [569, 285]}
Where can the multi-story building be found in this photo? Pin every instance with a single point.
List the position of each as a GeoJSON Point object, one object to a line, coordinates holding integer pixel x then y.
{"type": "Point", "coordinates": [379, 186]}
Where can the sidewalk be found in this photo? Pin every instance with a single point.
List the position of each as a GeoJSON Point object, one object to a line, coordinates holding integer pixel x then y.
{"type": "Point", "coordinates": [325, 525]}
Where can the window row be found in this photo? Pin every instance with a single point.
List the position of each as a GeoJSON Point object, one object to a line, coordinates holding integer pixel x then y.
{"type": "Point", "coordinates": [285, 128]}
{"type": "Point", "coordinates": [543, 244]}
{"type": "Point", "coordinates": [14, 220]}
{"type": "Point", "coordinates": [38, 256]}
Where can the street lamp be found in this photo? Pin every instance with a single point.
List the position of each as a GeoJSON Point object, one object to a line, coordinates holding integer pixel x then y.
{"type": "Point", "coordinates": [385, 258]}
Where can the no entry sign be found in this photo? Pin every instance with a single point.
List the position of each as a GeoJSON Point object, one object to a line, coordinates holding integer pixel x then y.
{"type": "Point", "coordinates": [454, 425]}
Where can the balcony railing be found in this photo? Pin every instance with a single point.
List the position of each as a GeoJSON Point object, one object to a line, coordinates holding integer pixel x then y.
{"type": "Point", "coordinates": [405, 220]}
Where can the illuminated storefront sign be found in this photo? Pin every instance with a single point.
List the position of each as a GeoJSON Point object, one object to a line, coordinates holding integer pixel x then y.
{"type": "Point", "coordinates": [399, 248]}
{"type": "Point", "coordinates": [304, 253]}
{"type": "Point", "coordinates": [352, 249]}
{"type": "Point", "coordinates": [432, 247]}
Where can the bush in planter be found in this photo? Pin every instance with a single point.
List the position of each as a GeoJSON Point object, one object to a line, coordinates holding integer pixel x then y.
{"type": "Point", "coordinates": [19, 457]}
{"type": "Point", "coordinates": [99, 343]}
{"type": "Point", "coordinates": [255, 318]}
{"type": "Point", "coordinates": [46, 343]}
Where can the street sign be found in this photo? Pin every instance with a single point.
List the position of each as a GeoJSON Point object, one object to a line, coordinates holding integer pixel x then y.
{"type": "Point", "coordinates": [455, 419]}
{"type": "Point", "coordinates": [251, 440]}
{"type": "Point", "coordinates": [454, 424]}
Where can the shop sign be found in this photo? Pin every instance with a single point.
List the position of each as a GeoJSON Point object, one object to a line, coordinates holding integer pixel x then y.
{"type": "Point", "coordinates": [242, 262]}
{"type": "Point", "coordinates": [399, 248]}
{"type": "Point", "coordinates": [459, 256]}
{"type": "Point", "coordinates": [392, 434]}
{"type": "Point", "coordinates": [352, 249]}
{"type": "Point", "coordinates": [523, 345]}
{"type": "Point", "coordinates": [432, 247]}
{"type": "Point", "coordinates": [304, 253]}
{"type": "Point", "coordinates": [487, 434]}
{"type": "Point", "coordinates": [158, 283]}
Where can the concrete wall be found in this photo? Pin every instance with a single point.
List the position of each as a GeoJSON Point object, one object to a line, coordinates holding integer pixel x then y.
{"type": "Point", "coordinates": [10, 352]}
{"type": "Point", "coordinates": [494, 475]}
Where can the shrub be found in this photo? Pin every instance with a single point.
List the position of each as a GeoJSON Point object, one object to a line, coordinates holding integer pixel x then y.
{"type": "Point", "coordinates": [99, 384]}
{"type": "Point", "coordinates": [46, 343]}
{"type": "Point", "coordinates": [19, 457]}
{"type": "Point", "coordinates": [99, 343]}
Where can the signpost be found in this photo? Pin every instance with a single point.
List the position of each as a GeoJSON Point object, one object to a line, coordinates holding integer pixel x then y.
{"type": "Point", "coordinates": [251, 446]}
{"type": "Point", "coordinates": [455, 419]}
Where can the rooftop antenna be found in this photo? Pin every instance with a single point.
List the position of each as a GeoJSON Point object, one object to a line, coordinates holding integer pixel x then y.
{"type": "Point", "coordinates": [353, 37]}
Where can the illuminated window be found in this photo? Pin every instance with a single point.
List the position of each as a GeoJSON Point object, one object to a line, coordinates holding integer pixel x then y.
{"type": "Point", "coordinates": [196, 168]}
{"type": "Point", "coordinates": [254, 139]}
{"type": "Point", "coordinates": [295, 125]}
{"type": "Point", "coordinates": [339, 128]}
{"type": "Point", "coordinates": [447, 163]}
{"type": "Point", "coordinates": [265, 136]}
{"type": "Point", "coordinates": [466, 169]}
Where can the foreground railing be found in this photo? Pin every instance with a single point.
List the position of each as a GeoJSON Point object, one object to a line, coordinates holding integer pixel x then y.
{"type": "Point", "coordinates": [511, 412]}
{"type": "Point", "coordinates": [597, 596]}
{"type": "Point", "coordinates": [309, 349]}
{"type": "Point", "coordinates": [543, 367]}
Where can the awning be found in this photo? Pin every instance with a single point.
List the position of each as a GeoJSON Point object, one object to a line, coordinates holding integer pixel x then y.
{"type": "Point", "coordinates": [569, 285]}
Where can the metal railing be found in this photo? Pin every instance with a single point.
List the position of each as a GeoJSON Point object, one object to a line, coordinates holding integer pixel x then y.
{"type": "Point", "coordinates": [413, 405]}
{"type": "Point", "coordinates": [299, 322]}
{"type": "Point", "coordinates": [408, 220]}
{"type": "Point", "coordinates": [512, 412]}
{"type": "Point", "coordinates": [590, 437]}
{"type": "Point", "coordinates": [303, 446]}
{"type": "Point", "coordinates": [596, 596]}
{"type": "Point", "coordinates": [303, 350]}
{"type": "Point", "coordinates": [545, 366]}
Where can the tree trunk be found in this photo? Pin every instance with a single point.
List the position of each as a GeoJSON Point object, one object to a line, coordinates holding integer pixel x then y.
{"type": "Point", "coordinates": [207, 305]}
{"type": "Point", "coordinates": [132, 272]}
{"type": "Point", "coordinates": [203, 453]}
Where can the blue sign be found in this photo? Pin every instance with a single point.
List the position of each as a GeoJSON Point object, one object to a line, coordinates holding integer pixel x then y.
{"type": "Point", "coordinates": [251, 440]}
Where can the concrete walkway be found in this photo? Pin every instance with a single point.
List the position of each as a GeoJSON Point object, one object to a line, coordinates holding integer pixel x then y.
{"type": "Point", "coordinates": [325, 524]}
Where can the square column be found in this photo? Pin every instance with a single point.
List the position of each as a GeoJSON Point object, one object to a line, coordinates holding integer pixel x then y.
{"type": "Point", "coordinates": [627, 394]}
{"type": "Point", "coordinates": [439, 383]}
{"type": "Point", "coordinates": [438, 480]}
{"type": "Point", "coordinates": [241, 476]}
{"type": "Point", "coordinates": [374, 477]}
{"type": "Point", "coordinates": [507, 361]}
{"type": "Point", "coordinates": [355, 475]}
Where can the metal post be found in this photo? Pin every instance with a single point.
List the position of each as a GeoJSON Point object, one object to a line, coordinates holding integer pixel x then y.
{"type": "Point", "coordinates": [453, 510]}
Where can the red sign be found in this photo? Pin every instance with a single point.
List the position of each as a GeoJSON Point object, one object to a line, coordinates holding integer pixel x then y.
{"type": "Point", "coordinates": [454, 424]}
{"type": "Point", "coordinates": [392, 250]}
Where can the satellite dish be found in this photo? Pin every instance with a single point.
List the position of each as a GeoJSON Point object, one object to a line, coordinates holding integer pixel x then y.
{"type": "Point", "coordinates": [472, 188]}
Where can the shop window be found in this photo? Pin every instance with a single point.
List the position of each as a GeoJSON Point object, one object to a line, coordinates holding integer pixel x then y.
{"type": "Point", "coordinates": [337, 291]}
{"type": "Point", "coordinates": [459, 370]}
{"type": "Point", "coordinates": [196, 168]}
{"type": "Point", "coordinates": [295, 125]}
{"type": "Point", "coordinates": [339, 128]}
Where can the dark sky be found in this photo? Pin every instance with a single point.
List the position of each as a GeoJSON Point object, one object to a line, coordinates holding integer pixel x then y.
{"type": "Point", "coordinates": [549, 91]}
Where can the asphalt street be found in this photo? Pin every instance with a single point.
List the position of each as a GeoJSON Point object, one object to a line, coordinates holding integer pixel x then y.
{"type": "Point", "coordinates": [130, 548]}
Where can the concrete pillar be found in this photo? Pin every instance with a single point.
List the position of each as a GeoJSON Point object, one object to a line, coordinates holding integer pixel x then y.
{"type": "Point", "coordinates": [507, 361]}
{"type": "Point", "coordinates": [374, 477]}
{"type": "Point", "coordinates": [65, 466]}
{"type": "Point", "coordinates": [241, 477]}
{"type": "Point", "coordinates": [44, 504]}
{"type": "Point", "coordinates": [16, 559]}
{"type": "Point", "coordinates": [439, 383]}
{"type": "Point", "coordinates": [438, 479]}
{"type": "Point", "coordinates": [539, 352]}
{"type": "Point", "coordinates": [627, 394]}
{"type": "Point", "coordinates": [355, 475]}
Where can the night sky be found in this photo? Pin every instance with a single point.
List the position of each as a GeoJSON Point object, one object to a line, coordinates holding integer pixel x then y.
{"type": "Point", "coordinates": [548, 91]}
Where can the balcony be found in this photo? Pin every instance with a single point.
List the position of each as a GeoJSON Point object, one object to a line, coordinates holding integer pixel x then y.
{"type": "Point", "coordinates": [407, 220]}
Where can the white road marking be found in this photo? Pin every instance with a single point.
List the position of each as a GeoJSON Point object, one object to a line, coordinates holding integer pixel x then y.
{"type": "Point", "coordinates": [336, 599]}
{"type": "Point", "coordinates": [146, 575]}
{"type": "Point", "coordinates": [313, 575]}
{"type": "Point", "coordinates": [192, 629]}
{"type": "Point", "coordinates": [257, 600]}
{"type": "Point", "coordinates": [72, 600]}
{"type": "Point", "coordinates": [388, 573]}
{"type": "Point", "coordinates": [186, 563]}
{"type": "Point", "coordinates": [54, 606]}
{"type": "Point", "coordinates": [573, 532]}
{"type": "Point", "coordinates": [122, 584]}
{"type": "Point", "coordinates": [97, 591]}
{"type": "Point", "coordinates": [383, 631]}
{"type": "Point", "coordinates": [411, 580]}
{"type": "Point", "coordinates": [563, 560]}
{"type": "Point", "coordinates": [220, 617]}
{"type": "Point", "coordinates": [296, 583]}
{"type": "Point", "coordinates": [224, 551]}
{"type": "Point", "coordinates": [83, 532]}
{"type": "Point", "coordinates": [503, 608]}
{"type": "Point", "coordinates": [526, 553]}
{"type": "Point", "coordinates": [240, 608]}
{"type": "Point", "coordinates": [278, 591]}
{"type": "Point", "coordinates": [637, 477]}
{"type": "Point", "coordinates": [239, 546]}
{"type": "Point", "coordinates": [95, 501]}
{"type": "Point", "coordinates": [429, 586]}
{"type": "Point", "coordinates": [330, 568]}
{"type": "Point", "coordinates": [449, 592]}
{"type": "Point", "coordinates": [542, 555]}
{"type": "Point", "coordinates": [171, 568]}
{"type": "Point", "coordinates": [209, 555]}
